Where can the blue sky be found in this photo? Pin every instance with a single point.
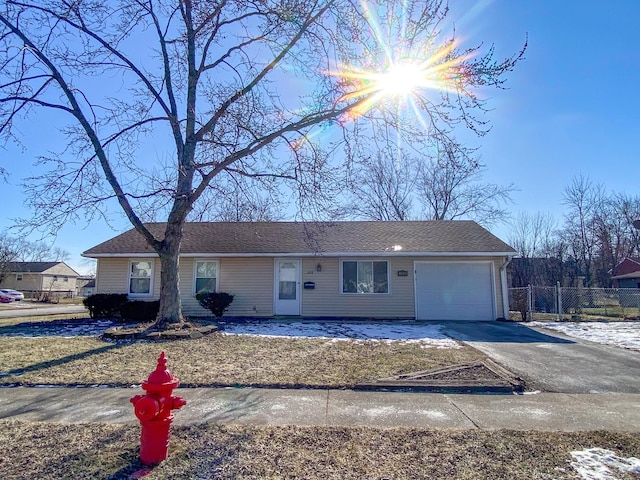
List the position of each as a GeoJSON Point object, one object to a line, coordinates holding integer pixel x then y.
{"type": "Point", "coordinates": [571, 107]}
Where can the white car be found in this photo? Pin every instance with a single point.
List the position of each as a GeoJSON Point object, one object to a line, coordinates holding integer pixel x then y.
{"type": "Point", "coordinates": [14, 295]}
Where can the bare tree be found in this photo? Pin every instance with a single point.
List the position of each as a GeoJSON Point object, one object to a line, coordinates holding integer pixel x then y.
{"type": "Point", "coordinates": [240, 200]}
{"type": "Point", "coordinates": [8, 253]}
{"type": "Point", "coordinates": [381, 189]}
{"type": "Point", "coordinates": [450, 187]}
{"type": "Point", "coordinates": [615, 236]}
{"type": "Point", "coordinates": [584, 201]}
{"type": "Point", "coordinates": [234, 86]}
{"type": "Point", "coordinates": [540, 256]}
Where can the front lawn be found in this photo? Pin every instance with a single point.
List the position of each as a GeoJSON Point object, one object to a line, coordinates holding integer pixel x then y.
{"type": "Point", "coordinates": [218, 360]}
{"type": "Point", "coordinates": [107, 451]}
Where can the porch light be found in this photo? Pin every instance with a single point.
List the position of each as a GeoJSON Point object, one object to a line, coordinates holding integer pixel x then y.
{"type": "Point", "coordinates": [318, 268]}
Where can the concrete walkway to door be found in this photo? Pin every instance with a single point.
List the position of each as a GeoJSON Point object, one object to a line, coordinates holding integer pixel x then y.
{"type": "Point", "coordinates": [551, 361]}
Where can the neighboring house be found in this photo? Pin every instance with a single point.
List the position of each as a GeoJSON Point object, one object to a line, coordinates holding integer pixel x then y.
{"type": "Point", "coordinates": [627, 273]}
{"type": "Point", "coordinates": [85, 286]}
{"type": "Point", "coordinates": [431, 270]}
{"type": "Point", "coordinates": [35, 277]}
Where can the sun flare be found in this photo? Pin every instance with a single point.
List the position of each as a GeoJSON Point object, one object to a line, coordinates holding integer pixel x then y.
{"type": "Point", "coordinates": [400, 68]}
{"type": "Point", "coordinates": [401, 80]}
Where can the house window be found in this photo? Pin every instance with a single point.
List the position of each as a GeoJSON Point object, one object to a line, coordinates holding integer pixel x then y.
{"type": "Point", "coordinates": [140, 277]}
{"type": "Point", "coordinates": [19, 277]}
{"type": "Point", "coordinates": [55, 278]}
{"type": "Point", "coordinates": [66, 279]}
{"type": "Point", "coordinates": [206, 273]}
{"type": "Point", "coordinates": [365, 277]}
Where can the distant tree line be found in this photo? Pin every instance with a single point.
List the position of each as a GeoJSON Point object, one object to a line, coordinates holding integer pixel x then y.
{"type": "Point", "coordinates": [596, 234]}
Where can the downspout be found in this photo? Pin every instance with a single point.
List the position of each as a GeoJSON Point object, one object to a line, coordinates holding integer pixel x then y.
{"type": "Point", "coordinates": [505, 288]}
{"type": "Point", "coordinates": [95, 289]}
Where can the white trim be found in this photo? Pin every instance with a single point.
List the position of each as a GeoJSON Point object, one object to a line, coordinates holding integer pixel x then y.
{"type": "Point", "coordinates": [494, 299]}
{"type": "Point", "coordinates": [151, 278]}
{"type": "Point", "coordinates": [310, 254]}
{"type": "Point", "coordinates": [340, 278]}
{"type": "Point", "coordinates": [505, 288]}
{"type": "Point", "coordinates": [195, 270]}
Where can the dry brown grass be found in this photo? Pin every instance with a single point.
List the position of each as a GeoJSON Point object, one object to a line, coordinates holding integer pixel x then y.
{"type": "Point", "coordinates": [218, 360]}
{"type": "Point", "coordinates": [100, 451]}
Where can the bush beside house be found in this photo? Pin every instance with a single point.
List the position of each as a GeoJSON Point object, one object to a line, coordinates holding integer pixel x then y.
{"type": "Point", "coordinates": [216, 302]}
{"type": "Point", "coordinates": [117, 305]}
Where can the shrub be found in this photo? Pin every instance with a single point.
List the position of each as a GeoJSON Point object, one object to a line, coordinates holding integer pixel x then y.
{"type": "Point", "coordinates": [140, 311]}
{"type": "Point", "coordinates": [216, 302]}
{"type": "Point", "coordinates": [102, 305]}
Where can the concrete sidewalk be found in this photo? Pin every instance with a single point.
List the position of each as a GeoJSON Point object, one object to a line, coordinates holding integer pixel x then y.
{"type": "Point", "coordinates": [251, 406]}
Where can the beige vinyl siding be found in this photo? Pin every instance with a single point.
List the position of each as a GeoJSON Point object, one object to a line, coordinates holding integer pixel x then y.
{"type": "Point", "coordinates": [113, 276]}
{"type": "Point", "coordinates": [190, 305]}
{"type": "Point", "coordinates": [326, 299]}
{"type": "Point", "coordinates": [56, 283]}
{"type": "Point", "coordinates": [61, 269]}
{"type": "Point", "coordinates": [251, 281]}
{"type": "Point", "coordinates": [29, 282]}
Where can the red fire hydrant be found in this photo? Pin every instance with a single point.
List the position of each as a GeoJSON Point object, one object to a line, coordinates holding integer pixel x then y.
{"type": "Point", "coordinates": [154, 412]}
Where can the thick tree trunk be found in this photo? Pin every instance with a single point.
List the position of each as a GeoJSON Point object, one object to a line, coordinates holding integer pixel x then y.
{"type": "Point", "coordinates": [170, 303]}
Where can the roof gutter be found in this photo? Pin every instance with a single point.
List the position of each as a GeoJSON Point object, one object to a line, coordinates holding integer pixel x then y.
{"type": "Point", "coordinates": [307, 254]}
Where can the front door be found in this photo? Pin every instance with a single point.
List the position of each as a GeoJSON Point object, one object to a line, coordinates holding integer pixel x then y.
{"type": "Point", "coordinates": [287, 286]}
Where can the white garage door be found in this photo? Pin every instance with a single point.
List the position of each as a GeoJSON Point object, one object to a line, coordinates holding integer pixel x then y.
{"type": "Point", "coordinates": [454, 291]}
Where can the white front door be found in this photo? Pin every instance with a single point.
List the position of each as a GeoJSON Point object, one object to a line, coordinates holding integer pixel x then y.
{"type": "Point", "coordinates": [287, 286]}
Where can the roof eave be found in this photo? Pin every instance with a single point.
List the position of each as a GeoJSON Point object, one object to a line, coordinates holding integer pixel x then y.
{"type": "Point", "coordinates": [626, 275]}
{"type": "Point", "coordinates": [307, 254]}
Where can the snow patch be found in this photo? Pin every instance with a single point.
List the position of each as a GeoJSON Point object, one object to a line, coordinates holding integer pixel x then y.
{"type": "Point", "coordinates": [380, 411]}
{"type": "Point", "coordinates": [598, 463]}
{"type": "Point", "coordinates": [433, 414]}
{"type": "Point", "coordinates": [427, 336]}
{"type": "Point", "coordinates": [109, 412]}
{"type": "Point", "coordinates": [619, 334]}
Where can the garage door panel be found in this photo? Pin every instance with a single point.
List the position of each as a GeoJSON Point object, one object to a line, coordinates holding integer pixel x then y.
{"type": "Point", "coordinates": [454, 291]}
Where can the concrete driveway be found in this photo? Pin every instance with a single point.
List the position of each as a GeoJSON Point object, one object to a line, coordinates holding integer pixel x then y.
{"type": "Point", "coordinates": [550, 361]}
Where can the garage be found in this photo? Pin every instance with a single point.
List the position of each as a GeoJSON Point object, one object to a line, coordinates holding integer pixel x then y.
{"type": "Point", "coordinates": [454, 291]}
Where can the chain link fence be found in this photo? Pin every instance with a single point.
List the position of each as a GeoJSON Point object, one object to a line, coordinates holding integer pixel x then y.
{"type": "Point", "coordinates": [570, 303]}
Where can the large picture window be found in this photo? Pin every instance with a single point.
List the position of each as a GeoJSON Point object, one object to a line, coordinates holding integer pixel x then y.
{"type": "Point", "coordinates": [365, 277]}
{"type": "Point", "coordinates": [140, 277]}
{"type": "Point", "coordinates": [206, 276]}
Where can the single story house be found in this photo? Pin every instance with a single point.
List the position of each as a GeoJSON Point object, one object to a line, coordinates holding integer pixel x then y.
{"type": "Point", "coordinates": [85, 285]}
{"type": "Point", "coordinates": [627, 273]}
{"type": "Point", "coordinates": [427, 270]}
{"type": "Point", "coordinates": [32, 278]}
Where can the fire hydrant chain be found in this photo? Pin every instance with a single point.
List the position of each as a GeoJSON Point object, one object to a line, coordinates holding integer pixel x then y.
{"type": "Point", "coordinates": [154, 412]}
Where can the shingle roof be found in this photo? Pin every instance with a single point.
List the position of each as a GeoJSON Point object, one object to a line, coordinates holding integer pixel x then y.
{"type": "Point", "coordinates": [31, 267]}
{"type": "Point", "coordinates": [312, 238]}
{"type": "Point", "coordinates": [627, 268]}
